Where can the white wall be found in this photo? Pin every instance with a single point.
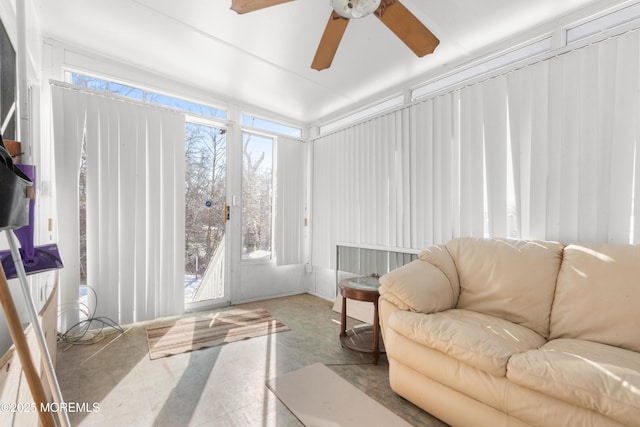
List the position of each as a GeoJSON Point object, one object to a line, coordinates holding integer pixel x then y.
{"type": "Point", "coordinates": [259, 281]}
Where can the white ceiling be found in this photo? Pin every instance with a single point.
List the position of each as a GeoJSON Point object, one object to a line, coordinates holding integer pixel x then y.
{"type": "Point", "coordinates": [263, 58]}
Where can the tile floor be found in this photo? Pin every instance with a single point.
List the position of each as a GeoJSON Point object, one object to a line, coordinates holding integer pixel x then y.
{"type": "Point", "coordinates": [218, 386]}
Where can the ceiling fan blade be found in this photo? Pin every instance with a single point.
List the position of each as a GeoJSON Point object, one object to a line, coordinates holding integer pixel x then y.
{"type": "Point", "coordinates": [244, 6]}
{"type": "Point", "coordinates": [329, 42]}
{"type": "Point", "coordinates": [407, 27]}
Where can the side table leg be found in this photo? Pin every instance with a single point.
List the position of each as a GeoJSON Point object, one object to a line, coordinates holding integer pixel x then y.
{"type": "Point", "coordinates": [376, 333]}
{"type": "Point", "coordinates": [343, 318]}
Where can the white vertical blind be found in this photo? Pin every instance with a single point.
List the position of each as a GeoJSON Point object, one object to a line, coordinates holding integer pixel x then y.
{"type": "Point", "coordinates": [376, 182]}
{"type": "Point", "coordinates": [547, 151]}
{"type": "Point", "coordinates": [433, 165]}
{"type": "Point", "coordinates": [135, 203]}
{"type": "Point", "coordinates": [291, 165]}
{"type": "Point", "coordinates": [323, 204]}
{"type": "Point", "coordinates": [573, 119]}
{"type": "Point", "coordinates": [471, 162]}
{"type": "Point", "coordinates": [494, 97]}
{"type": "Point", "coordinates": [520, 121]}
{"type": "Point", "coordinates": [440, 165]}
{"type": "Point", "coordinates": [68, 128]}
{"type": "Point", "coordinates": [625, 135]}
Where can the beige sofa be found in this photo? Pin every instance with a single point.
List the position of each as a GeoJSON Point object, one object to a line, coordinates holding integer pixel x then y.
{"type": "Point", "coordinates": [493, 332]}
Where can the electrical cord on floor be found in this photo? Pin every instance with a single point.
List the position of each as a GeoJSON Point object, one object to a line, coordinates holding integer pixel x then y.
{"type": "Point", "coordinates": [84, 332]}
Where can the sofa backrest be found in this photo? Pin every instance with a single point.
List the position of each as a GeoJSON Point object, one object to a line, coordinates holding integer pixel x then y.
{"type": "Point", "coordinates": [598, 295]}
{"type": "Point", "coordinates": [511, 279]}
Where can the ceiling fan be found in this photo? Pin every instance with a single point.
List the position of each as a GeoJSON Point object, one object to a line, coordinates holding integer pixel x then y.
{"type": "Point", "coordinates": [392, 13]}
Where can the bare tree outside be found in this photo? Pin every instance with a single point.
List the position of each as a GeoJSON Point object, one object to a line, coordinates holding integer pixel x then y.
{"type": "Point", "coordinates": [257, 193]}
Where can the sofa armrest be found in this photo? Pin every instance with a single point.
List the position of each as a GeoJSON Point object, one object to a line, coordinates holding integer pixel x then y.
{"type": "Point", "coordinates": [427, 285]}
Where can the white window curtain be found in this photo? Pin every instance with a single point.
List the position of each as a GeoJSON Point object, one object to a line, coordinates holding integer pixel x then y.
{"type": "Point", "coordinates": [291, 166]}
{"type": "Point", "coordinates": [135, 203]}
{"type": "Point", "coordinates": [547, 151]}
{"type": "Point", "coordinates": [472, 155]}
{"type": "Point", "coordinates": [390, 182]}
{"type": "Point", "coordinates": [356, 187]}
{"type": "Point", "coordinates": [574, 122]}
{"type": "Point", "coordinates": [434, 171]}
{"type": "Point", "coordinates": [323, 201]}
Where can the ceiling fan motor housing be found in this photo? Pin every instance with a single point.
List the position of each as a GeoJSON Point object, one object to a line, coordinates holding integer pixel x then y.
{"type": "Point", "coordinates": [353, 9]}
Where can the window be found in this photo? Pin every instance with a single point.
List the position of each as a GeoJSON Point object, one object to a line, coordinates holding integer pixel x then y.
{"type": "Point", "coordinates": [96, 83]}
{"type": "Point", "coordinates": [271, 127]}
{"type": "Point", "coordinates": [502, 61]}
{"type": "Point", "coordinates": [257, 196]}
{"type": "Point", "coordinates": [603, 23]}
{"type": "Point", "coordinates": [374, 110]}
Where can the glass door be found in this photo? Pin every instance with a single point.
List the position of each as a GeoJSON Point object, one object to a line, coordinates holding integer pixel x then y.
{"type": "Point", "coordinates": [205, 277]}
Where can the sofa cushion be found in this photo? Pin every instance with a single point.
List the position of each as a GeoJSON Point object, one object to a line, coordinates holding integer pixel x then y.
{"type": "Point", "coordinates": [511, 279]}
{"type": "Point", "coordinates": [591, 375]}
{"type": "Point", "coordinates": [597, 295]}
{"type": "Point", "coordinates": [479, 340]}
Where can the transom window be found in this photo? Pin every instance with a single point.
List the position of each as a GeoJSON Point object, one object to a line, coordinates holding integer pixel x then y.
{"type": "Point", "coordinates": [105, 85]}
{"type": "Point", "coordinates": [270, 127]}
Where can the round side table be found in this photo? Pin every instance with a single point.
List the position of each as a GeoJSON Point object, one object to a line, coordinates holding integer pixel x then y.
{"type": "Point", "coordinates": [362, 339]}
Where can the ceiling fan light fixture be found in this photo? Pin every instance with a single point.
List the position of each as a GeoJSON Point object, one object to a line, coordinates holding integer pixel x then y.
{"type": "Point", "coordinates": [354, 9]}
